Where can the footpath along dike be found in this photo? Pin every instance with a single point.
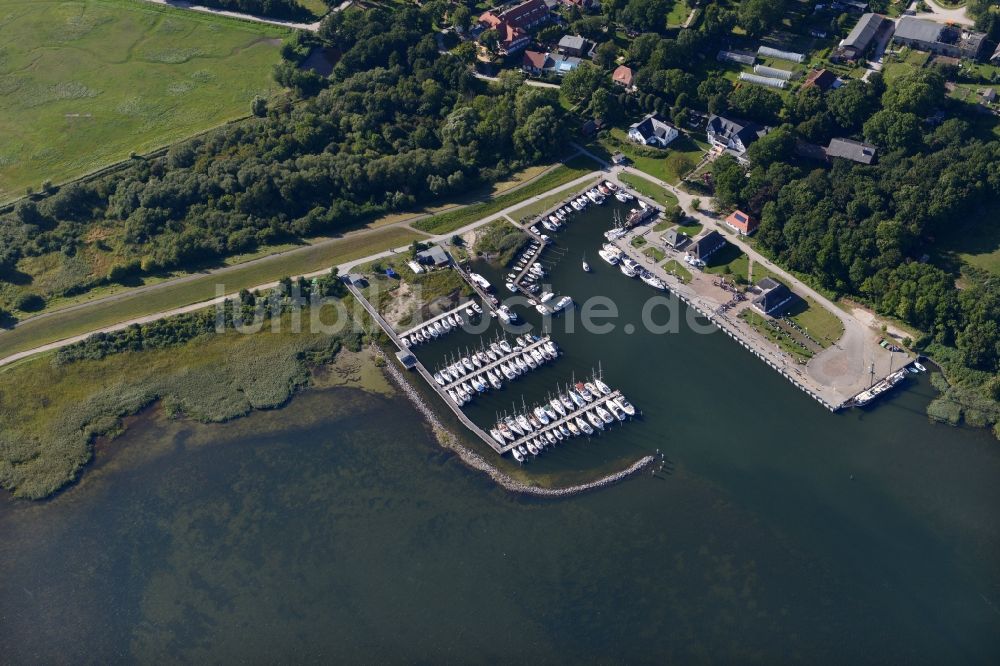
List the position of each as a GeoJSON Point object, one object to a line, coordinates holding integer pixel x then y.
{"type": "Point", "coordinates": [472, 459]}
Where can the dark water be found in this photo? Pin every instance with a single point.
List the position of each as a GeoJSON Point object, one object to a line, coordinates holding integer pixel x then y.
{"type": "Point", "coordinates": [334, 528]}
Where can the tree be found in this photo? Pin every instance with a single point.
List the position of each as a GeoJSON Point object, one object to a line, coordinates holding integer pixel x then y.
{"type": "Point", "coordinates": [918, 91]}
{"type": "Point", "coordinates": [258, 106]}
{"type": "Point", "coordinates": [756, 102]}
{"type": "Point", "coordinates": [606, 55]}
{"type": "Point", "coordinates": [759, 16]}
{"type": "Point", "coordinates": [647, 15]}
{"type": "Point", "coordinates": [583, 81]}
{"type": "Point", "coordinates": [778, 145]}
{"type": "Point", "coordinates": [541, 134]}
{"type": "Point", "coordinates": [894, 130]}
{"type": "Point", "coordinates": [461, 17]}
{"type": "Point", "coordinates": [852, 104]}
{"type": "Point", "coordinates": [605, 106]}
{"type": "Point", "coordinates": [490, 39]}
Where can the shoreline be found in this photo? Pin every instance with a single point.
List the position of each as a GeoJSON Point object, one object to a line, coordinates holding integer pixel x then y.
{"type": "Point", "coordinates": [447, 440]}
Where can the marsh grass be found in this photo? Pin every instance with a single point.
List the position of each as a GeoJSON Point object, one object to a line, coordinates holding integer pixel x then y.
{"type": "Point", "coordinates": [50, 413]}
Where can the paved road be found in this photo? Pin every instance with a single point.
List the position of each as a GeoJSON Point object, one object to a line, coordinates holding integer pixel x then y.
{"type": "Point", "coordinates": [943, 14]}
{"type": "Point", "coordinates": [342, 268]}
{"type": "Point", "coordinates": [530, 82]}
{"type": "Point", "coordinates": [183, 4]}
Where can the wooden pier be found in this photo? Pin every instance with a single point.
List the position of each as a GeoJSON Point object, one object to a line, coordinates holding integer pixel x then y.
{"type": "Point", "coordinates": [419, 367]}
{"type": "Point", "coordinates": [570, 415]}
{"type": "Point", "coordinates": [495, 365]}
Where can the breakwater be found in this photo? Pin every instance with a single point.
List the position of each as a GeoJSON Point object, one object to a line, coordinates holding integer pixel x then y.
{"type": "Point", "coordinates": [448, 440]}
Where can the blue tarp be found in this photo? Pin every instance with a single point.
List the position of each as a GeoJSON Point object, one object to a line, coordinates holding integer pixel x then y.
{"type": "Point", "coordinates": [391, 273]}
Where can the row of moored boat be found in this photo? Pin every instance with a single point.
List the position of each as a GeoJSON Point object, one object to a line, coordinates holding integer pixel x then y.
{"type": "Point", "coordinates": [613, 255]}
{"type": "Point", "coordinates": [581, 410]}
{"type": "Point", "coordinates": [488, 368]}
{"type": "Point", "coordinates": [441, 326]}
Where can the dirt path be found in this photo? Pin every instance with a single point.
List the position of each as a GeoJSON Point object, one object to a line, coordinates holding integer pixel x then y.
{"type": "Point", "coordinates": [183, 4]}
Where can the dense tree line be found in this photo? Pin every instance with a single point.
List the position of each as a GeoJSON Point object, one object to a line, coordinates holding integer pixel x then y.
{"type": "Point", "coordinates": [868, 231]}
{"type": "Point", "coordinates": [397, 124]}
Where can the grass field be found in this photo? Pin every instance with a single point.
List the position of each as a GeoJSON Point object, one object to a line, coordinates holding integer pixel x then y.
{"type": "Point", "coordinates": [678, 269]}
{"type": "Point", "coordinates": [669, 164]}
{"type": "Point", "coordinates": [649, 190]}
{"type": "Point", "coordinates": [821, 324]}
{"type": "Point", "coordinates": [447, 222]}
{"type": "Point", "coordinates": [65, 324]}
{"type": "Point", "coordinates": [85, 82]}
{"type": "Point", "coordinates": [730, 261]}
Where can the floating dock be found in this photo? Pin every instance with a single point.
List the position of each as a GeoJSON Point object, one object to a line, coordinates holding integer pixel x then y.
{"type": "Point", "coordinates": [460, 311]}
{"type": "Point", "coordinates": [480, 373]}
{"type": "Point", "coordinates": [570, 415]}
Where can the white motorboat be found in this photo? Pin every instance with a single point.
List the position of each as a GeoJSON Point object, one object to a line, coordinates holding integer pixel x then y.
{"type": "Point", "coordinates": [919, 366]}
{"type": "Point", "coordinates": [608, 257]}
{"type": "Point", "coordinates": [653, 281]}
{"type": "Point", "coordinates": [567, 433]}
{"type": "Point", "coordinates": [584, 426]}
{"type": "Point", "coordinates": [604, 414]}
{"type": "Point", "coordinates": [621, 197]}
{"type": "Point", "coordinates": [542, 309]}
{"type": "Point", "coordinates": [585, 265]}
{"type": "Point", "coordinates": [584, 392]}
{"type": "Point", "coordinates": [546, 297]}
{"type": "Point", "coordinates": [615, 409]}
{"type": "Point", "coordinates": [594, 391]}
{"type": "Point", "coordinates": [627, 270]}
{"type": "Point", "coordinates": [549, 412]}
{"type": "Point", "coordinates": [439, 379]}
{"type": "Point", "coordinates": [517, 455]}
{"type": "Point", "coordinates": [537, 355]}
{"type": "Point", "coordinates": [560, 215]}
{"type": "Point", "coordinates": [611, 186]}
{"type": "Point", "coordinates": [477, 308]}
{"type": "Point", "coordinates": [595, 420]}
{"type": "Point", "coordinates": [625, 405]}
{"type": "Point", "coordinates": [562, 304]}
{"type": "Point", "coordinates": [482, 282]}
{"type": "Point", "coordinates": [558, 434]}
{"type": "Point", "coordinates": [576, 205]}
{"type": "Point", "coordinates": [529, 360]}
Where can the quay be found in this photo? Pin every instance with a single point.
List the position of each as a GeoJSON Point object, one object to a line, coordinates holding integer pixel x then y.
{"type": "Point", "coordinates": [460, 310]}
{"type": "Point", "coordinates": [494, 365]}
{"type": "Point", "coordinates": [419, 367]}
{"type": "Point", "coordinates": [579, 411]}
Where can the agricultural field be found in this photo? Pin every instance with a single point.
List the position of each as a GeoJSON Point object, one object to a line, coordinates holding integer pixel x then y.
{"type": "Point", "coordinates": [84, 83]}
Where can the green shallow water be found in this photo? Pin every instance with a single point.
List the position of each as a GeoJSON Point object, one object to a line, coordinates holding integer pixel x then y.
{"type": "Point", "coordinates": [334, 528]}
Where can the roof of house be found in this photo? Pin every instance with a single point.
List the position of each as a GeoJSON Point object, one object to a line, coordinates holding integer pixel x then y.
{"type": "Point", "coordinates": [527, 12]}
{"type": "Point", "coordinates": [674, 238]}
{"type": "Point", "coordinates": [622, 74]}
{"type": "Point", "coordinates": [535, 59]}
{"type": "Point", "coordinates": [920, 30]}
{"type": "Point", "coordinates": [738, 217]}
{"type": "Point", "coordinates": [652, 125]}
{"type": "Point", "coordinates": [773, 297]}
{"type": "Point", "coordinates": [435, 254]}
{"type": "Point", "coordinates": [820, 78]}
{"type": "Point", "coordinates": [730, 127]}
{"type": "Point", "coordinates": [864, 31]}
{"type": "Point", "coordinates": [768, 283]}
{"type": "Point", "coordinates": [852, 150]}
{"type": "Point", "coordinates": [708, 243]}
{"type": "Point", "coordinates": [572, 42]}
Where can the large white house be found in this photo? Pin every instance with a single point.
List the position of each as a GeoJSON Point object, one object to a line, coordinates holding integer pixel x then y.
{"type": "Point", "coordinates": [733, 136]}
{"type": "Point", "coordinates": [653, 130]}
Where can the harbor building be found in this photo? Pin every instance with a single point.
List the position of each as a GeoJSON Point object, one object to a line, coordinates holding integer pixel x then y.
{"type": "Point", "coordinates": [774, 299]}
{"type": "Point", "coordinates": [707, 245]}
{"type": "Point", "coordinates": [741, 222]}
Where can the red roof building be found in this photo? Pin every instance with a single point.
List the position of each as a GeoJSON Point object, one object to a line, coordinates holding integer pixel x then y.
{"type": "Point", "coordinates": [742, 222]}
{"type": "Point", "coordinates": [820, 78]}
{"type": "Point", "coordinates": [513, 24]}
{"type": "Point", "coordinates": [622, 76]}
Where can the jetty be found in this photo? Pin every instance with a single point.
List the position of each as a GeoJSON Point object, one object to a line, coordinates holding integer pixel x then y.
{"type": "Point", "coordinates": [480, 373]}
{"type": "Point", "coordinates": [459, 311]}
{"type": "Point", "coordinates": [562, 420]}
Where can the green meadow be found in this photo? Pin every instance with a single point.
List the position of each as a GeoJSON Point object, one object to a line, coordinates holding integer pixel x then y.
{"type": "Point", "coordinates": [83, 83]}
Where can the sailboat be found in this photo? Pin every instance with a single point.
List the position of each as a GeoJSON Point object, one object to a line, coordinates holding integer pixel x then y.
{"type": "Point", "coordinates": [586, 266]}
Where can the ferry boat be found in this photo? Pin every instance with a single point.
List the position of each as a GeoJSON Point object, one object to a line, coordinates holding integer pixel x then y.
{"type": "Point", "coordinates": [608, 257]}
{"type": "Point", "coordinates": [879, 388]}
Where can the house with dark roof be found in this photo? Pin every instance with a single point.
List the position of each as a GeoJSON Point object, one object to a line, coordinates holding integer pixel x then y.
{"type": "Point", "coordinates": [774, 299]}
{"type": "Point", "coordinates": [623, 76]}
{"type": "Point", "coordinates": [848, 149]}
{"type": "Point", "coordinates": [706, 246]}
{"type": "Point", "coordinates": [733, 135]}
{"type": "Point", "coordinates": [675, 238]}
{"type": "Point", "coordinates": [434, 255]}
{"type": "Point", "coordinates": [741, 222]}
{"type": "Point", "coordinates": [821, 79]}
{"type": "Point", "coordinates": [653, 130]}
{"type": "Point", "coordinates": [939, 38]}
{"type": "Point", "coordinates": [867, 31]}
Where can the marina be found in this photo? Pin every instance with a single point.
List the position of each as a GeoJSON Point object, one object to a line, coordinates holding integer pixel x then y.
{"type": "Point", "coordinates": [499, 361]}
{"type": "Point", "coordinates": [443, 323]}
